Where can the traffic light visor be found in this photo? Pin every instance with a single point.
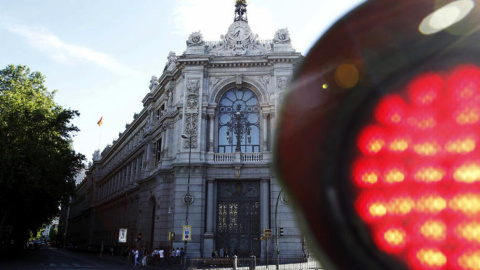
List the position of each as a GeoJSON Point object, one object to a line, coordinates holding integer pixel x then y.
{"type": "Point", "coordinates": [378, 140]}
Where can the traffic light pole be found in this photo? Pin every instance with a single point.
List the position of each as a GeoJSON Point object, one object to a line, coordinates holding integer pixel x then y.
{"type": "Point", "coordinates": [276, 231]}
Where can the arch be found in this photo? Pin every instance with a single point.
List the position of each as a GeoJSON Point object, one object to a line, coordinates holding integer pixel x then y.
{"type": "Point", "coordinates": [238, 122]}
{"type": "Point", "coordinates": [226, 84]}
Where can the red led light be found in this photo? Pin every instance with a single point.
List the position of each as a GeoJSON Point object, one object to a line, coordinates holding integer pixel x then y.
{"type": "Point", "coordinates": [417, 171]}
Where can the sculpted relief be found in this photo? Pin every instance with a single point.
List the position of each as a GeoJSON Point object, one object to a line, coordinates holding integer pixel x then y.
{"type": "Point", "coordinates": [195, 39]}
{"type": "Point", "coordinates": [282, 36]}
{"type": "Point", "coordinates": [191, 112]}
{"type": "Point", "coordinates": [239, 41]}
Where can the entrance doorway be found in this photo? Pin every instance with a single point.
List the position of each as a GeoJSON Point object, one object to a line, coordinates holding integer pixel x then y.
{"type": "Point", "coordinates": [238, 217]}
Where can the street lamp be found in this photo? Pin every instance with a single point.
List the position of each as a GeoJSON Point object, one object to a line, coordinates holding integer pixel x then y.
{"type": "Point", "coordinates": [276, 231]}
{"type": "Point", "coordinates": [188, 198]}
{"type": "Point", "coordinates": [240, 126]}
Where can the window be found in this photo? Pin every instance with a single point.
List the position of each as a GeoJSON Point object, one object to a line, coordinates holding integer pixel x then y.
{"type": "Point", "coordinates": [158, 151]}
{"type": "Point", "coordinates": [238, 122]}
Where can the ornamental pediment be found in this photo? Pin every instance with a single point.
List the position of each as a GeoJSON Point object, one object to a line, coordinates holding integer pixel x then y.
{"type": "Point", "coordinates": [239, 41]}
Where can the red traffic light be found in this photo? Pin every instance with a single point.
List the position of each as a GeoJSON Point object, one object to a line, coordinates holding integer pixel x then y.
{"type": "Point", "coordinates": [378, 141]}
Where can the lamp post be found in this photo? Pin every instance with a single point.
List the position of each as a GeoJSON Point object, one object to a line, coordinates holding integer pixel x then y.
{"type": "Point", "coordinates": [276, 231]}
{"type": "Point", "coordinates": [188, 198]}
{"type": "Point", "coordinates": [240, 126]}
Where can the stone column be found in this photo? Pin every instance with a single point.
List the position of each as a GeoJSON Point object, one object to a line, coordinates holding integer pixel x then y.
{"type": "Point", "coordinates": [264, 203]}
{"type": "Point", "coordinates": [272, 126]}
{"type": "Point", "coordinates": [138, 169]}
{"type": "Point", "coordinates": [164, 141]}
{"type": "Point", "coordinates": [265, 130]}
{"type": "Point", "coordinates": [149, 154]}
{"type": "Point", "coordinates": [209, 236]}
{"type": "Point", "coordinates": [132, 172]}
{"type": "Point", "coordinates": [203, 144]}
{"type": "Point", "coordinates": [264, 207]}
{"type": "Point", "coordinates": [210, 206]}
{"type": "Point", "coordinates": [211, 117]}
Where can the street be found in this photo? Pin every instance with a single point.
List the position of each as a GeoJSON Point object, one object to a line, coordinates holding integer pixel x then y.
{"type": "Point", "coordinates": [53, 258]}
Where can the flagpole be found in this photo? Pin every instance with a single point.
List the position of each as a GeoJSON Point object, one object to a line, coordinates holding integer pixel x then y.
{"type": "Point", "coordinates": [99, 123]}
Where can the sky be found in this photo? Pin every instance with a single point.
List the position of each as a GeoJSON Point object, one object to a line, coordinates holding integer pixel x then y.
{"type": "Point", "coordinates": [101, 55]}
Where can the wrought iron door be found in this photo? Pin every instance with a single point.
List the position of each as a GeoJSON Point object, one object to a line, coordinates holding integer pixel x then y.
{"type": "Point", "coordinates": [238, 217]}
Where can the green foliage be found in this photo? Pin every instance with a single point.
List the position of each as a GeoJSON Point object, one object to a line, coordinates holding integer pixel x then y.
{"type": "Point", "coordinates": [37, 162]}
{"type": "Point", "coordinates": [38, 235]}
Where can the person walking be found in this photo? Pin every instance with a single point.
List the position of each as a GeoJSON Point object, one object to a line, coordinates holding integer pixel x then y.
{"type": "Point", "coordinates": [136, 257]}
{"type": "Point", "coordinates": [161, 254]}
{"type": "Point", "coordinates": [155, 255]}
{"type": "Point", "coordinates": [177, 255]}
{"type": "Point", "coordinates": [145, 257]}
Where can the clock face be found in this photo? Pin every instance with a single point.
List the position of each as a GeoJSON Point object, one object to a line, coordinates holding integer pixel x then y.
{"type": "Point", "coordinates": [239, 31]}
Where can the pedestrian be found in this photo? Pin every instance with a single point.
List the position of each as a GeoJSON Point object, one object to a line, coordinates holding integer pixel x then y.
{"type": "Point", "coordinates": [136, 257]}
{"type": "Point", "coordinates": [161, 254]}
{"type": "Point", "coordinates": [144, 259]}
{"type": "Point", "coordinates": [177, 255]}
{"type": "Point", "coordinates": [221, 253]}
{"type": "Point", "coordinates": [155, 255]}
{"type": "Point", "coordinates": [140, 255]}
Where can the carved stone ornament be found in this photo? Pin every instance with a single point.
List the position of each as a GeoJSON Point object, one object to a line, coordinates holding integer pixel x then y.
{"type": "Point", "coordinates": [282, 83]}
{"type": "Point", "coordinates": [191, 112]}
{"type": "Point", "coordinates": [195, 39]}
{"type": "Point", "coordinates": [172, 58]}
{"type": "Point", "coordinates": [193, 86]}
{"type": "Point", "coordinates": [237, 172]}
{"type": "Point", "coordinates": [153, 82]}
{"type": "Point", "coordinates": [192, 103]}
{"type": "Point", "coordinates": [188, 199]}
{"type": "Point", "coordinates": [265, 80]}
{"type": "Point", "coordinates": [214, 81]}
{"type": "Point", "coordinates": [239, 80]}
{"type": "Point", "coordinates": [281, 36]}
{"type": "Point", "coordinates": [239, 41]}
{"type": "Point", "coordinates": [191, 120]}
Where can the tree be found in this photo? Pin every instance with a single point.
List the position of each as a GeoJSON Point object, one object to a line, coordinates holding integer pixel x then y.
{"type": "Point", "coordinates": [37, 162]}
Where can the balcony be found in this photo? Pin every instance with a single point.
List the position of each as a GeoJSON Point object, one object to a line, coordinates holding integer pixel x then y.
{"type": "Point", "coordinates": [240, 157]}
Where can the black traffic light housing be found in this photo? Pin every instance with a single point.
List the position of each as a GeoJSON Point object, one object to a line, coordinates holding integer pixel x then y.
{"type": "Point", "coordinates": [281, 233]}
{"type": "Point", "coordinates": [368, 53]}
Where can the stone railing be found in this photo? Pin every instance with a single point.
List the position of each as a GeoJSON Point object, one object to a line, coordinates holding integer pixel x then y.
{"type": "Point", "coordinates": [252, 157]}
{"type": "Point", "coordinates": [224, 157]}
{"type": "Point", "coordinates": [237, 157]}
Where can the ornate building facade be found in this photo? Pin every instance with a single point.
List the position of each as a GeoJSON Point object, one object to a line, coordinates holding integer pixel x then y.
{"type": "Point", "coordinates": [198, 154]}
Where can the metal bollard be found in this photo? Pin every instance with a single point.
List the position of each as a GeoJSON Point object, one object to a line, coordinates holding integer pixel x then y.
{"type": "Point", "coordinates": [253, 262]}
{"type": "Point", "coordinates": [235, 262]}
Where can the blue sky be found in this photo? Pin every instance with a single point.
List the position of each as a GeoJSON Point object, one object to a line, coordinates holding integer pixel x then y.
{"type": "Point", "coordinates": [101, 54]}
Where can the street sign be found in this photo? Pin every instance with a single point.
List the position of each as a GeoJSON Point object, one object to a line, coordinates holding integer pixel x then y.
{"type": "Point", "coordinates": [187, 233]}
{"type": "Point", "coordinates": [122, 235]}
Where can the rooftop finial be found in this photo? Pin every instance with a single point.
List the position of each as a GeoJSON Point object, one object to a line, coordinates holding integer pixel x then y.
{"type": "Point", "coordinates": [240, 11]}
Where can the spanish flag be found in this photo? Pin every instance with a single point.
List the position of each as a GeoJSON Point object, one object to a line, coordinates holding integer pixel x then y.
{"type": "Point", "coordinates": [99, 123]}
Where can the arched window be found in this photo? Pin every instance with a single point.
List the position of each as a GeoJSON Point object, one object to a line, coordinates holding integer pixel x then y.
{"type": "Point", "coordinates": [238, 122]}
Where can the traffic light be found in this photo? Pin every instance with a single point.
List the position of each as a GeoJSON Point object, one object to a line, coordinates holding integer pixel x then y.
{"type": "Point", "coordinates": [378, 141]}
{"type": "Point", "coordinates": [280, 231]}
{"type": "Point", "coordinates": [139, 238]}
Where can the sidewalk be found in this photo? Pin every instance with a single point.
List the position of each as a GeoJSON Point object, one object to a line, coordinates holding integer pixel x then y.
{"type": "Point", "coordinates": [150, 265]}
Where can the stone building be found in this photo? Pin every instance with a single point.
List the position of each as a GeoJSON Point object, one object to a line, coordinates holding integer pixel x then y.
{"type": "Point", "coordinates": [198, 154]}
